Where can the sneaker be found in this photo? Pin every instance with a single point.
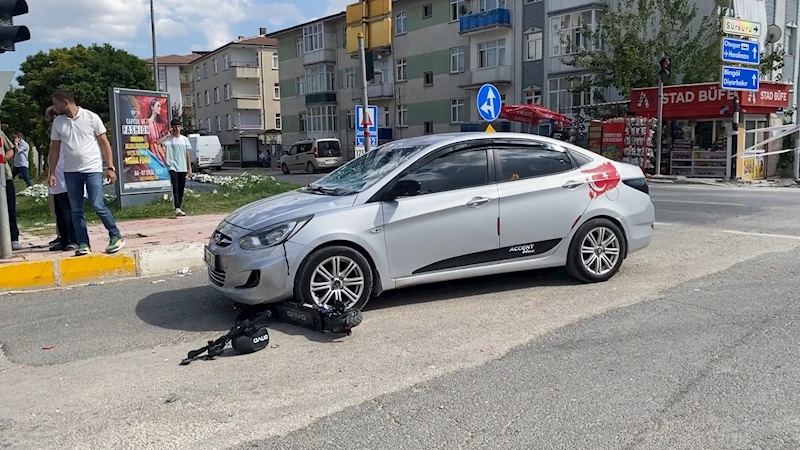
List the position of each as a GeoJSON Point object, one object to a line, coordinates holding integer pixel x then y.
{"type": "Point", "coordinates": [55, 241]}
{"type": "Point", "coordinates": [82, 250]}
{"type": "Point", "coordinates": [115, 244]}
{"type": "Point", "coordinates": [179, 213]}
{"type": "Point", "coordinates": [58, 247]}
{"type": "Point", "coordinates": [71, 247]}
{"type": "Point", "coordinates": [15, 245]}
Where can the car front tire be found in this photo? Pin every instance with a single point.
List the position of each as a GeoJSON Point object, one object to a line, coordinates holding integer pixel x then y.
{"type": "Point", "coordinates": [285, 169]}
{"type": "Point", "coordinates": [333, 273]}
{"type": "Point", "coordinates": [596, 251]}
{"type": "Point", "coordinates": [310, 168]}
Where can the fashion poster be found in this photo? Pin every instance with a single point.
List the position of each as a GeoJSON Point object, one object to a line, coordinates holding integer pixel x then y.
{"type": "Point", "coordinates": [142, 120]}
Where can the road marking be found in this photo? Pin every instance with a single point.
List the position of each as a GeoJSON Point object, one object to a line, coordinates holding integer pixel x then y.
{"type": "Point", "coordinates": [697, 203]}
{"type": "Point", "coordinates": [750, 233]}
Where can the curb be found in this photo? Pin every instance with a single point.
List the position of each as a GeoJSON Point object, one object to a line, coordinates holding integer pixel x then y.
{"type": "Point", "coordinates": [85, 269]}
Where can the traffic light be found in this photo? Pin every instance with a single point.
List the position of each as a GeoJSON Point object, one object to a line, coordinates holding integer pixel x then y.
{"type": "Point", "coordinates": [665, 69]}
{"type": "Point", "coordinates": [10, 34]}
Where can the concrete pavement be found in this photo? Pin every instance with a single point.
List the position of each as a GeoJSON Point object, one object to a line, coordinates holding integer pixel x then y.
{"type": "Point", "coordinates": [646, 357]}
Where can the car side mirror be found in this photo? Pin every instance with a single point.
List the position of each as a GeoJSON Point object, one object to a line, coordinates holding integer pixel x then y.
{"type": "Point", "coordinates": [403, 188]}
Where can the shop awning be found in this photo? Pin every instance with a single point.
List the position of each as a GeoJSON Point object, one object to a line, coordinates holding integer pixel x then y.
{"type": "Point", "coordinates": [532, 114]}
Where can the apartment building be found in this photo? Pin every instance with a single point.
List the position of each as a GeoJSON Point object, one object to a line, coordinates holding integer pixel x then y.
{"type": "Point", "coordinates": [237, 97]}
{"type": "Point", "coordinates": [175, 78]}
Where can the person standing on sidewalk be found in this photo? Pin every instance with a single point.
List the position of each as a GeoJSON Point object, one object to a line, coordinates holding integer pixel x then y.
{"type": "Point", "coordinates": [67, 240]}
{"type": "Point", "coordinates": [11, 194]}
{"type": "Point", "coordinates": [178, 161]}
{"type": "Point", "coordinates": [81, 136]}
{"type": "Point", "coordinates": [21, 158]}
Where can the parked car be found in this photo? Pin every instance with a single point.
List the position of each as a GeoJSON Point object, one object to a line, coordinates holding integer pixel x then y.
{"type": "Point", "coordinates": [313, 155]}
{"type": "Point", "coordinates": [206, 152]}
{"type": "Point", "coordinates": [431, 209]}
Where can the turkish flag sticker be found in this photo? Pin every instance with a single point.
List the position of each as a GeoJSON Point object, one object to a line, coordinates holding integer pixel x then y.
{"type": "Point", "coordinates": [602, 179]}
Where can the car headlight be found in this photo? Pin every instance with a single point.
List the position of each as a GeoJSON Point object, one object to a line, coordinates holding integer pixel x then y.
{"type": "Point", "coordinates": [272, 235]}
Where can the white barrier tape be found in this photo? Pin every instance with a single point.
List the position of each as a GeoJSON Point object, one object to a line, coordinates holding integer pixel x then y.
{"type": "Point", "coordinates": [750, 155]}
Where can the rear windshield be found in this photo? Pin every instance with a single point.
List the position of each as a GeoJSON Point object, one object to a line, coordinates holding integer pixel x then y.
{"type": "Point", "coordinates": [328, 148]}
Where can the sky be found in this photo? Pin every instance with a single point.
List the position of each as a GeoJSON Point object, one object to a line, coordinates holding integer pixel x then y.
{"type": "Point", "coordinates": [181, 25]}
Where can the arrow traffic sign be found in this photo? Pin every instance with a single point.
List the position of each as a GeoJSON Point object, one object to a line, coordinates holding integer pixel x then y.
{"type": "Point", "coordinates": [489, 102]}
{"type": "Point", "coordinates": [739, 27]}
{"type": "Point", "coordinates": [741, 51]}
{"type": "Point", "coordinates": [740, 79]}
{"type": "Point", "coordinates": [366, 125]}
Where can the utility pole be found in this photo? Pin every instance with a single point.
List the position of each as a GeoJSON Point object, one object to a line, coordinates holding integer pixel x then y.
{"type": "Point", "coordinates": [5, 227]}
{"type": "Point", "coordinates": [665, 67]}
{"type": "Point", "coordinates": [365, 92]}
{"type": "Point", "coordinates": [153, 31]}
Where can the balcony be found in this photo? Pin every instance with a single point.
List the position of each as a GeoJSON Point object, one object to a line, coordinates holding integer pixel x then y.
{"type": "Point", "coordinates": [484, 21]}
{"type": "Point", "coordinates": [246, 101]}
{"type": "Point", "coordinates": [322, 55]}
{"type": "Point", "coordinates": [245, 69]}
{"type": "Point", "coordinates": [477, 77]}
{"type": "Point", "coordinates": [186, 87]}
{"type": "Point", "coordinates": [376, 92]}
{"type": "Point", "coordinates": [320, 97]}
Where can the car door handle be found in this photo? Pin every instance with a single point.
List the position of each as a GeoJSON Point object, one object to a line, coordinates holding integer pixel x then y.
{"type": "Point", "coordinates": [573, 184]}
{"type": "Point", "coordinates": [478, 201]}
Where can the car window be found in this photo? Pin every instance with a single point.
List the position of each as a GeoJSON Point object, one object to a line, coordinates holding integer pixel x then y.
{"type": "Point", "coordinates": [305, 148]}
{"type": "Point", "coordinates": [530, 162]}
{"type": "Point", "coordinates": [328, 148]}
{"type": "Point", "coordinates": [580, 159]}
{"type": "Point", "coordinates": [292, 150]}
{"type": "Point", "coordinates": [450, 172]}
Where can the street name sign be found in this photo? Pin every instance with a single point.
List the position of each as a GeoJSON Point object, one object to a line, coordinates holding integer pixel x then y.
{"type": "Point", "coordinates": [741, 51]}
{"type": "Point", "coordinates": [739, 27]}
{"type": "Point", "coordinates": [740, 78]}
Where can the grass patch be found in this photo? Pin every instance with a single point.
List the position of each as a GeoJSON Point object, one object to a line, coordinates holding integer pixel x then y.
{"type": "Point", "coordinates": [33, 213]}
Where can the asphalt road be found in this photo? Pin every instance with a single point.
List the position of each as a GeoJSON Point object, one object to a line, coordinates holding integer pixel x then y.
{"type": "Point", "coordinates": [691, 345]}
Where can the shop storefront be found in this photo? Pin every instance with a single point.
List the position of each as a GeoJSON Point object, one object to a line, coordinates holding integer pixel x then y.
{"type": "Point", "coordinates": [698, 122]}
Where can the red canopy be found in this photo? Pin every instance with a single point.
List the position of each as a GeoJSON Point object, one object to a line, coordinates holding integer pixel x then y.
{"type": "Point", "coordinates": [531, 114]}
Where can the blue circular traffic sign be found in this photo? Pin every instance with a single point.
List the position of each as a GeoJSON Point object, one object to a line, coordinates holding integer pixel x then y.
{"type": "Point", "coordinates": [489, 102]}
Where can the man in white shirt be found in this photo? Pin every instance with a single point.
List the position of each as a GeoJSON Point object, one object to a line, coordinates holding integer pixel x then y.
{"type": "Point", "coordinates": [80, 136]}
{"type": "Point", "coordinates": [178, 161]}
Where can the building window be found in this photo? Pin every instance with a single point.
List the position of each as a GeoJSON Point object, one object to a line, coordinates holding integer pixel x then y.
{"type": "Point", "coordinates": [400, 23]}
{"type": "Point", "coordinates": [162, 79]}
{"type": "Point", "coordinates": [227, 92]}
{"type": "Point", "coordinates": [402, 69]}
{"type": "Point", "coordinates": [219, 124]}
{"type": "Point", "coordinates": [534, 45]}
{"type": "Point", "coordinates": [402, 112]}
{"type": "Point", "coordinates": [427, 11]}
{"type": "Point", "coordinates": [302, 122]}
{"type": "Point", "coordinates": [428, 128]}
{"type": "Point", "coordinates": [351, 119]}
{"type": "Point", "coordinates": [216, 95]}
{"type": "Point", "coordinates": [350, 78]}
{"type": "Point", "coordinates": [456, 59]}
{"type": "Point", "coordinates": [457, 9]}
{"type": "Point", "coordinates": [226, 62]}
{"type": "Point", "coordinates": [567, 32]}
{"type": "Point", "coordinates": [208, 124]}
{"type": "Point", "coordinates": [298, 45]}
{"type": "Point", "coordinates": [216, 66]}
{"type": "Point", "coordinates": [228, 122]}
{"type": "Point", "coordinates": [278, 121]}
{"type": "Point", "coordinates": [199, 100]}
{"type": "Point", "coordinates": [488, 5]}
{"type": "Point", "coordinates": [275, 61]}
{"type": "Point", "coordinates": [492, 53]}
{"type": "Point", "coordinates": [301, 85]}
{"type": "Point", "coordinates": [562, 97]}
{"type": "Point", "coordinates": [208, 98]}
{"type": "Point", "coordinates": [205, 70]}
{"type": "Point", "coordinates": [428, 79]}
{"type": "Point", "coordinates": [456, 110]}
{"type": "Point", "coordinates": [313, 37]}
{"type": "Point", "coordinates": [197, 73]}
{"type": "Point", "coordinates": [321, 118]}
{"type": "Point", "coordinates": [320, 79]}
{"type": "Point", "coordinates": [385, 120]}
{"type": "Point", "coordinates": [533, 96]}
{"type": "Point", "coordinates": [276, 91]}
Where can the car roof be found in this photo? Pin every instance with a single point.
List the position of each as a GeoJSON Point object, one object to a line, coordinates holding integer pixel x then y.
{"type": "Point", "coordinates": [452, 138]}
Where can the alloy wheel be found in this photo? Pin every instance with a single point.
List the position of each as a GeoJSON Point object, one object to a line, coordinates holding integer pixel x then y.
{"type": "Point", "coordinates": [600, 251]}
{"type": "Point", "coordinates": [337, 279]}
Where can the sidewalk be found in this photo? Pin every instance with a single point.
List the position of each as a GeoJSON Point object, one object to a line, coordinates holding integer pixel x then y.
{"type": "Point", "coordinates": [678, 179]}
{"type": "Point", "coordinates": [153, 247]}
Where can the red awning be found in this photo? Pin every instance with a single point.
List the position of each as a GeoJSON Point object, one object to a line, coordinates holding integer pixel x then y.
{"type": "Point", "coordinates": [532, 114]}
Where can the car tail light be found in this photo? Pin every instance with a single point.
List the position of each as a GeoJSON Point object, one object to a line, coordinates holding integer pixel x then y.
{"type": "Point", "coordinates": [640, 184]}
{"type": "Point", "coordinates": [316, 152]}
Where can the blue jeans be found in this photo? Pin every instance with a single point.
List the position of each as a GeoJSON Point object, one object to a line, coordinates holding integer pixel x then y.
{"type": "Point", "coordinates": [23, 173]}
{"type": "Point", "coordinates": [75, 182]}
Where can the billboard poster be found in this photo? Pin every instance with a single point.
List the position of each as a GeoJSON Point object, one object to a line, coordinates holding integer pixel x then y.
{"type": "Point", "coordinates": [613, 140]}
{"type": "Point", "coordinates": [140, 119]}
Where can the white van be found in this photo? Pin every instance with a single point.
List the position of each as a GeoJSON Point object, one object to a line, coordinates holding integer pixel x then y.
{"type": "Point", "coordinates": [206, 152]}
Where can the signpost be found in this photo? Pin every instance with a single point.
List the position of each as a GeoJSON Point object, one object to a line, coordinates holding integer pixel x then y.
{"type": "Point", "coordinates": [366, 126]}
{"type": "Point", "coordinates": [739, 27]}
{"type": "Point", "coordinates": [740, 78]}
{"type": "Point", "coordinates": [741, 51]}
{"type": "Point", "coordinates": [489, 104]}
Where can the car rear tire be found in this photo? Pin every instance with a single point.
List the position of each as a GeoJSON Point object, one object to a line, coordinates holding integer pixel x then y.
{"type": "Point", "coordinates": [333, 273]}
{"type": "Point", "coordinates": [596, 251]}
{"type": "Point", "coordinates": [285, 169]}
{"type": "Point", "coordinates": [310, 168]}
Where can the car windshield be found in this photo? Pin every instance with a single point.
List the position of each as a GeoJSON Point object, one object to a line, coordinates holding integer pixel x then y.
{"type": "Point", "coordinates": [366, 170]}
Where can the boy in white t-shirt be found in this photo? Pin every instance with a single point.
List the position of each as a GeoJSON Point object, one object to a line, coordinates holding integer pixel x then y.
{"type": "Point", "coordinates": [178, 161]}
{"type": "Point", "coordinates": [67, 240]}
